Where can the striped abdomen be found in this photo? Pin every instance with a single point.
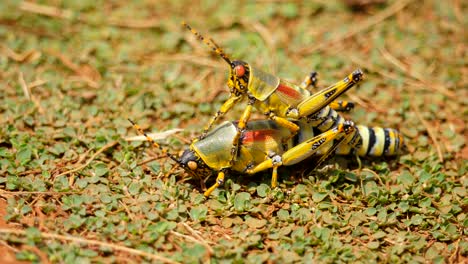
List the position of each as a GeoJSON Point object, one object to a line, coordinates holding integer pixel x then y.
{"type": "Point", "coordinates": [325, 119]}
{"type": "Point", "coordinates": [365, 141]}
{"type": "Point", "coordinates": [376, 142]}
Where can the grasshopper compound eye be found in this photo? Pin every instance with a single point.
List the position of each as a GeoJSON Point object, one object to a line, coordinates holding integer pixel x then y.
{"type": "Point", "coordinates": [192, 165]}
{"type": "Point", "coordinates": [239, 70]}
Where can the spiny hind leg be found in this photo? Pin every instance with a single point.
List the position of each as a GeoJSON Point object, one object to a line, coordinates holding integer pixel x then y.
{"type": "Point", "coordinates": [297, 153]}
{"type": "Point", "coordinates": [311, 82]}
{"type": "Point", "coordinates": [324, 97]}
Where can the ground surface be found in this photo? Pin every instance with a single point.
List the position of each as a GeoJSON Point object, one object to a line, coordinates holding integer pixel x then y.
{"type": "Point", "coordinates": [72, 190]}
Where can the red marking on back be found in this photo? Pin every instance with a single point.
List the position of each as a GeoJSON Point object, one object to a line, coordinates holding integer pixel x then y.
{"type": "Point", "coordinates": [257, 135]}
{"type": "Point", "coordinates": [288, 91]}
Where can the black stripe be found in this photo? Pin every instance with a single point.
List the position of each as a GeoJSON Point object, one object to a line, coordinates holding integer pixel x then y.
{"type": "Point", "coordinates": [371, 140]}
{"type": "Point", "coordinates": [297, 138]}
{"type": "Point", "coordinates": [274, 125]}
{"type": "Point", "coordinates": [331, 115]}
{"type": "Point", "coordinates": [330, 93]}
{"type": "Point", "coordinates": [387, 141]}
{"type": "Point", "coordinates": [356, 140]}
{"type": "Point", "coordinates": [318, 116]}
{"type": "Point", "coordinates": [316, 131]}
{"type": "Point", "coordinates": [397, 142]}
{"type": "Point", "coordinates": [328, 117]}
{"type": "Point", "coordinates": [332, 119]}
{"type": "Point", "coordinates": [338, 120]}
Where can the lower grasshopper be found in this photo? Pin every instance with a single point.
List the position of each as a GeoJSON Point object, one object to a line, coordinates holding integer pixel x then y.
{"type": "Point", "coordinates": [262, 147]}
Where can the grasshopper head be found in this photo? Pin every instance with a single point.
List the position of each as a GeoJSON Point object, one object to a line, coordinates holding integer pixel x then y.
{"type": "Point", "coordinates": [238, 76]}
{"type": "Point", "coordinates": [192, 163]}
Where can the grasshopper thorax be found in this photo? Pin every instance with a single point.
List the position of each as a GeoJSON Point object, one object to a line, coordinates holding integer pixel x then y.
{"type": "Point", "coordinates": [239, 76]}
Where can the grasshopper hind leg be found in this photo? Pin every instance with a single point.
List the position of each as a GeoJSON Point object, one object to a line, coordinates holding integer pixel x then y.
{"type": "Point", "coordinates": [300, 152]}
{"type": "Point", "coordinates": [310, 84]}
{"type": "Point", "coordinates": [348, 134]}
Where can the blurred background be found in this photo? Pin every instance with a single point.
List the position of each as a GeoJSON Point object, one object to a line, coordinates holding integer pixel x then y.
{"type": "Point", "coordinates": [72, 72]}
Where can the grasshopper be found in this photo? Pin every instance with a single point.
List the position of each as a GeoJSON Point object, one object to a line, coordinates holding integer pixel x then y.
{"type": "Point", "coordinates": [279, 100]}
{"type": "Point", "coordinates": [262, 147]}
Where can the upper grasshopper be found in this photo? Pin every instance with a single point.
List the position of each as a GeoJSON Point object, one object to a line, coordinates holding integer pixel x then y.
{"type": "Point", "coordinates": [279, 100]}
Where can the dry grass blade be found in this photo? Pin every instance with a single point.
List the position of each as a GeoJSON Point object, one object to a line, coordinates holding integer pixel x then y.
{"type": "Point", "coordinates": [45, 10]}
{"type": "Point", "coordinates": [93, 243]}
{"type": "Point", "coordinates": [90, 75]}
{"type": "Point", "coordinates": [109, 145]}
{"type": "Point", "coordinates": [202, 241]}
{"type": "Point", "coordinates": [155, 136]}
{"type": "Point", "coordinates": [364, 26]}
{"type": "Point", "coordinates": [431, 132]}
{"type": "Point", "coordinates": [6, 193]}
{"type": "Point", "coordinates": [24, 86]}
{"type": "Point", "coordinates": [405, 70]}
{"type": "Point", "coordinates": [196, 240]}
{"type": "Point", "coordinates": [136, 24]}
{"type": "Point", "coordinates": [26, 56]}
{"type": "Point", "coordinates": [52, 11]}
{"type": "Point", "coordinates": [394, 76]}
{"type": "Point", "coordinates": [196, 60]}
{"type": "Point", "coordinates": [267, 37]}
{"type": "Point", "coordinates": [27, 93]}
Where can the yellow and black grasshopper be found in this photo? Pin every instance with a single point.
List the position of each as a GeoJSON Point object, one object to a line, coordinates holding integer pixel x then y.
{"type": "Point", "coordinates": [279, 100]}
{"type": "Point", "coordinates": [262, 146]}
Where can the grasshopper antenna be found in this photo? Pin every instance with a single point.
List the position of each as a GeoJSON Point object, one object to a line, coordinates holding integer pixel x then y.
{"type": "Point", "coordinates": [138, 128]}
{"type": "Point", "coordinates": [211, 44]}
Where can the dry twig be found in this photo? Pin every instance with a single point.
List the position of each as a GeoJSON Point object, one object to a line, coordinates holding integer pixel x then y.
{"type": "Point", "coordinates": [55, 12]}
{"type": "Point", "coordinates": [406, 71]}
{"type": "Point", "coordinates": [93, 243]}
{"type": "Point", "coordinates": [5, 193]}
{"type": "Point", "coordinates": [27, 93]}
{"type": "Point", "coordinates": [24, 86]}
{"type": "Point", "coordinates": [90, 75]}
{"type": "Point", "coordinates": [413, 83]}
{"type": "Point", "coordinates": [195, 238]}
{"type": "Point", "coordinates": [431, 133]}
{"type": "Point", "coordinates": [201, 239]}
{"type": "Point", "coordinates": [109, 145]}
{"type": "Point", "coordinates": [363, 26]}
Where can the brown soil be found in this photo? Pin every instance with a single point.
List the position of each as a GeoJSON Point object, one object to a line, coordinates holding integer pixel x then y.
{"type": "Point", "coordinates": [8, 254]}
